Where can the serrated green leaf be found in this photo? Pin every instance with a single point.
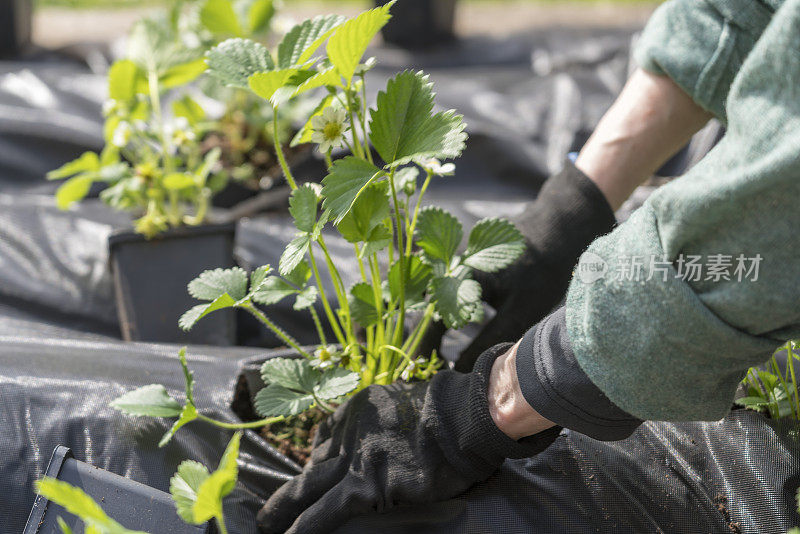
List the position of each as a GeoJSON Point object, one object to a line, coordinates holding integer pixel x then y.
{"type": "Point", "coordinates": [259, 277]}
{"type": "Point", "coordinates": [305, 133]}
{"type": "Point", "coordinates": [752, 402]}
{"type": "Point", "coordinates": [303, 207]}
{"type": "Point", "coordinates": [300, 275]}
{"type": "Point", "coordinates": [183, 487]}
{"type": "Point", "coordinates": [367, 213]}
{"type": "Point", "coordinates": [151, 400]}
{"type": "Point", "coordinates": [294, 253]}
{"type": "Point", "coordinates": [438, 233]}
{"type": "Point", "coordinates": [218, 485]}
{"type": "Point", "coordinates": [219, 17]}
{"type": "Point", "coordinates": [335, 383]}
{"type": "Point", "coordinates": [325, 78]}
{"type": "Point", "coordinates": [347, 45]}
{"type": "Point", "coordinates": [494, 244]}
{"type": "Point", "coordinates": [363, 307]}
{"type": "Point", "coordinates": [177, 180]}
{"type": "Point", "coordinates": [190, 318]}
{"type": "Point", "coordinates": [73, 190]}
{"type": "Point", "coordinates": [235, 60]}
{"type": "Point", "coordinates": [418, 276]}
{"type": "Point", "coordinates": [188, 414]}
{"type": "Point", "coordinates": [182, 74]}
{"type": "Point", "coordinates": [259, 16]}
{"type": "Point", "coordinates": [275, 400]}
{"type": "Point", "coordinates": [75, 501]}
{"type": "Point", "coordinates": [267, 84]}
{"type": "Point", "coordinates": [86, 162]}
{"type": "Point", "coordinates": [348, 178]}
{"type": "Point", "coordinates": [291, 373]}
{"type": "Point", "coordinates": [123, 80]}
{"type": "Point", "coordinates": [211, 285]}
{"type": "Point", "coordinates": [456, 300]}
{"type": "Point", "coordinates": [272, 291]}
{"type": "Point", "coordinates": [190, 110]}
{"type": "Point", "coordinates": [306, 298]}
{"type": "Point", "coordinates": [300, 43]}
{"type": "Point", "coordinates": [402, 126]}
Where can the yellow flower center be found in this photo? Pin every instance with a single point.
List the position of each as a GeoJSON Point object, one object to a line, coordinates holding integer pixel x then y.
{"type": "Point", "coordinates": [332, 130]}
{"type": "Point", "coordinates": [324, 355]}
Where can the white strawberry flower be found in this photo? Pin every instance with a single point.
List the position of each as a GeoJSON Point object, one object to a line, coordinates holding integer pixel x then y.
{"type": "Point", "coordinates": [329, 129]}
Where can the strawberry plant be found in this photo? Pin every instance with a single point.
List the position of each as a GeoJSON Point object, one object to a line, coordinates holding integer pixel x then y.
{"type": "Point", "coordinates": [773, 390]}
{"type": "Point", "coordinates": [407, 253]}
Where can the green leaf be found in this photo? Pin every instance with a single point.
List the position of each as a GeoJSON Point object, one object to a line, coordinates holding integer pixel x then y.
{"type": "Point", "coordinates": [188, 415]}
{"type": "Point", "coordinates": [347, 179]}
{"type": "Point", "coordinates": [305, 133]}
{"type": "Point", "coordinates": [123, 80]}
{"type": "Point", "coordinates": [211, 285]}
{"type": "Point", "coordinates": [366, 215]}
{"type": "Point", "coordinates": [752, 402]}
{"type": "Point", "coordinates": [190, 110]}
{"type": "Point", "coordinates": [348, 44]}
{"type": "Point", "coordinates": [259, 16]}
{"type": "Point", "coordinates": [218, 485]}
{"type": "Point", "coordinates": [182, 74]}
{"type": "Point", "coordinates": [235, 60]}
{"type": "Point", "coordinates": [86, 162]}
{"type": "Point", "coordinates": [363, 307]}
{"type": "Point", "coordinates": [184, 486]}
{"type": "Point", "coordinates": [177, 181]}
{"type": "Point", "coordinates": [402, 127]}
{"type": "Point", "coordinates": [494, 244]}
{"type": "Point", "coordinates": [190, 318]}
{"type": "Point", "coordinates": [302, 41]}
{"type": "Point", "coordinates": [418, 276]}
{"type": "Point", "coordinates": [405, 179]}
{"type": "Point", "coordinates": [75, 501]}
{"type": "Point", "coordinates": [73, 190]}
{"type": "Point", "coordinates": [306, 298]}
{"type": "Point", "coordinates": [456, 300]}
{"type": "Point", "coordinates": [152, 400]}
{"type": "Point", "coordinates": [291, 373]}
{"type": "Point", "coordinates": [266, 84]}
{"type": "Point", "coordinates": [209, 162]}
{"type": "Point", "coordinates": [258, 278]}
{"type": "Point", "coordinates": [275, 400]}
{"type": "Point", "coordinates": [325, 78]}
{"type": "Point", "coordinates": [300, 275]}
{"type": "Point", "coordinates": [219, 17]}
{"type": "Point", "coordinates": [438, 233]}
{"type": "Point", "coordinates": [335, 383]}
{"type": "Point", "coordinates": [273, 290]}
{"type": "Point", "coordinates": [303, 208]}
{"type": "Point", "coordinates": [294, 253]}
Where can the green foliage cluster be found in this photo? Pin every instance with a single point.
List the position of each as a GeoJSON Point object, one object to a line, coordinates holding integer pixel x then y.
{"type": "Point", "coordinates": [774, 390]}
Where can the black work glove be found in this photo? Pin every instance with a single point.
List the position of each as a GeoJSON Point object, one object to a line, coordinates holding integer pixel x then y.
{"type": "Point", "coordinates": [402, 443]}
{"type": "Point", "coordinates": [569, 213]}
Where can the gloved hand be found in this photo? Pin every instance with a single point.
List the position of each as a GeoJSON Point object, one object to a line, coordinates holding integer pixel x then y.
{"type": "Point", "coordinates": [569, 213]}
{"type": "Point", "coordinates": [402, 443]}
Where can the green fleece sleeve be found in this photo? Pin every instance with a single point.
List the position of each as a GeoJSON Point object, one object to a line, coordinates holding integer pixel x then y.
{"type": "Point", "coordinates": [701, 45]}
{"type": "Point", "coordinates": [666, 342]}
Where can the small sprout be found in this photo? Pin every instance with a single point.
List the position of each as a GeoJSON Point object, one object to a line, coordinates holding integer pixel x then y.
{"type": "Point", "coordinates": [329, 129]}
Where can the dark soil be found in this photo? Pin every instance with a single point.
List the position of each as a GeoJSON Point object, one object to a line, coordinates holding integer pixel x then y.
{"type": "Point", "coordinates": [292, 437]}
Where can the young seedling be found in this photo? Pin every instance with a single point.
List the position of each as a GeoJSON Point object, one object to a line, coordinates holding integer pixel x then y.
{"type": "Point", "coordinates": [773, 390]}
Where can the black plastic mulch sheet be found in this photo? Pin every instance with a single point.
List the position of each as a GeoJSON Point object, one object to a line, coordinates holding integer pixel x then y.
{"type": "Point", "coordinates": [528, 101]}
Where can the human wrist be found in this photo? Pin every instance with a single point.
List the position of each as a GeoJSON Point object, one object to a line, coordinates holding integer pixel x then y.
{"type": "Point", "coordinates": [507, 406]}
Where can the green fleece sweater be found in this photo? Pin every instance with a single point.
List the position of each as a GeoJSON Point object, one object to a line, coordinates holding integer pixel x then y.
{"type": "Point", "coordinates": [661, 340]}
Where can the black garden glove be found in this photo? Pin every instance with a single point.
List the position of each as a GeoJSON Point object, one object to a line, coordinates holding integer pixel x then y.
{"type": "Point", "coordinates": [569, 213]}
{"type": "Point", "coordinates": [402, 443]}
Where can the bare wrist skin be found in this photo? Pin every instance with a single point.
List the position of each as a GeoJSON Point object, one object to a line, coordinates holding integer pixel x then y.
{"type": "Point", "coordinates": [648, 123]}
{"type": "Point", "coordinates": [510, 411]}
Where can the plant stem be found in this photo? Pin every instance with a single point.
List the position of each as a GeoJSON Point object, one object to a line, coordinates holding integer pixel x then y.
{"type": "Point", "coordinates": [413, 224]}
{"type": "Point", "coordinates": [356, 141]}
{"type": "Point", "coordinates": [318, 324]}
{"type": "Point", "coordinates": [286, 338]}
{"type": "Point", "coordinates": [398, 335]}
{"type": "Point", "coordinates": [789, 361]}
{"type": "Point", "coordinates": [777, 369]}
{"type": "Point", "coordinates": [325, 406]}
{"type": "Point", "coordinates": [279, 150]}
{"type": "Point", "coordinates": [364, 117]}
{"type": "Point", "coordinates": [221, 524]}
{"type": "Point", "coordinates": [334, 322]}
{"type": "Point", "coordinates": [328, 160]}
{"type": "Point", "coordinates": [419, 332]}
{"type": "Point", "coordinates": [237, 426]}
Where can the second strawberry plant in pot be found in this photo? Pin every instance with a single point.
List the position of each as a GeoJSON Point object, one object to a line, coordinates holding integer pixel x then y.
{"type": "Point", "coordinates": [409, 256]}
{"type": "Point", "coordinates": [153, 167]}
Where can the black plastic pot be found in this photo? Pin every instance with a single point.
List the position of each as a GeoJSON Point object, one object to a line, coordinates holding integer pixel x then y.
{"type": "Point", "coordinates": [130, 503]}
{"type": "Point", "coordinates": [420, 23]}
{"type": "Point", "coordinates": [150, 279]}
{"type": "Point", "coordinates": [15, 26]}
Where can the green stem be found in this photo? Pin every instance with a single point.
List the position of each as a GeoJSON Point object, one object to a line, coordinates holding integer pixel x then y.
{"type": "Point", "coordinates": [238, 426]}
{"type": "Point", "coordinates": [334, 322]}
{"type": "Point", "coordinates": [286, 338]}
{"type": "Point", "coordinates": [221, 524]}
{"type": "Point", "coordinates": [419, 332]}
{"type": "Point", "coordinates": [364, 117]}
{"type": "Point", "coordinates": [356, 141]}
{"type": "Point", "coordinates": [318, 324]}
{"type": "Point", "coordinates": [777, 369]}
{"type": "Point", "coordinates": [341, 294]}
{"type": "Point", "coordinates": [328, 160]}
{"type": "Point", "coordinates": [279, 150]}
{"type": "Point", "coordinates": [155, 103]}
{"type": "Point", "coordinates": [398, 335]}
{"type": "Point", "coordinates": [413, 224]}
{"type": "Point", "coordinates": [378, 296]}
{"type": "Point", "coordinates": [790, 363]}
{"type": "Point", "coordinates": [325, 406]}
